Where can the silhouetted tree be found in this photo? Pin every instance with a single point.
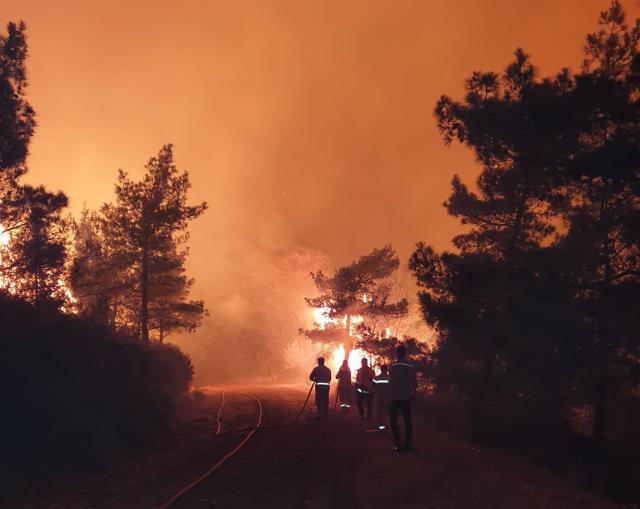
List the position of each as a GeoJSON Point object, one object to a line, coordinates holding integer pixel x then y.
{"type": "Point", "coordinates": [145, 228]}
{"type": "Point", "coordinates": [16, 123]}
{"type": "Point", "coordinates": [98, 277]}
{"type": "Point", "coordinates": [169, 307]}
{"type": "Point", "coordinates": [361, 289]}
{"type": "Point", "coordinates": [16, 115]}
{"type": "Point", "coordinates": [603, 209]}
{"type": "Point", "coordinates": [33, 262]}
{"type": "Point", "coordinates": [513, 124]}
{"type": "Point", "coordinates": [519, 299]}
{"type": "Point", "coordinates": [32, 265]}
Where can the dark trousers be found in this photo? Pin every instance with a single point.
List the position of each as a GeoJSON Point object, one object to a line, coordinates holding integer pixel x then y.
{"type": "Point", "coordinates": [404, 406]}
{"type": "Point", "coordinates": [322, 400]}
{"type": "Point", "coordinates": [364, 398]}
{"type": "Point", "coordinates": [382, 408]}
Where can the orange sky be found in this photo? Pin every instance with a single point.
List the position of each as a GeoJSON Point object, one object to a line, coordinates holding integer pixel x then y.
{"type": "Point", "coordinates": [301, 122]}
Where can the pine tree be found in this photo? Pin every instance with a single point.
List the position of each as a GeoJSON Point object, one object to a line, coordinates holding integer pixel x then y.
{"type": "Point", "coordinates": [356, 295]}
{"type": "Point", "coordinates": [169, 307]}
{"type": "Point", "coordinates": [146, 227]}
{"type": "Point", "coordinates": [17, 123]}
{"type": "Point", "coordinates": [543, 310]}
{"type": "Point", "coordinates": [604, 207]}
{"type": "Point", "coordinates": [513, 122]}
{"type": "Point", "coordinates": [97, 276]}
{"type": "Point", "coordinates": [33, 262]}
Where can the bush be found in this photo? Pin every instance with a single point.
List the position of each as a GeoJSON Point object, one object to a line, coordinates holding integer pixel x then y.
{"type": "Point", "coordinates": [75, 394]}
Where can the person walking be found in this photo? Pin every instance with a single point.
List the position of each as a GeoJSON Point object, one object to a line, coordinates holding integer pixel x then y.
{"type": "Point", "coordinates": [381, 394]}
{"type": "Point", "coordinates": [403, 385]}
{"type": "Point", "coordinates": [321, 375]}
{"type": "Point", "coordinates": [344, 386]}
{"type": "Point", "coordinates": [364, 385]}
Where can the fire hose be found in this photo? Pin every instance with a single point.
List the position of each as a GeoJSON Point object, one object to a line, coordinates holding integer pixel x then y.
{"type": "Point", "coordinates": [220, 462]}
{"type": "Point", "coordinates": [251, 431]}
{"type": "Point", "coordinates": [272, 426]}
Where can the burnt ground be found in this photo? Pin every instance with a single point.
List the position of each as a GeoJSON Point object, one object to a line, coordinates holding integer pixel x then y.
{"type": "Point", "coordinates": [312, 464]}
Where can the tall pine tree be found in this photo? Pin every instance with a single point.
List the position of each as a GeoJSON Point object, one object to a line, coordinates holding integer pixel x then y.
{"type": "Point", "coordinates": [146, 227]}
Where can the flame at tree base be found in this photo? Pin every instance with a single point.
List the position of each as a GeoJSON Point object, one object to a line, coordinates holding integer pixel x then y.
{"type": "Point", "coordinates": [354, 361]}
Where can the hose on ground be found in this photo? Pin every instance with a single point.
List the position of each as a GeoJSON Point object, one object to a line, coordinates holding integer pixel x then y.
{"type": "Point", "coordinates": [272, 426]}
{"type": "Point", "coordinates": [220, 462]}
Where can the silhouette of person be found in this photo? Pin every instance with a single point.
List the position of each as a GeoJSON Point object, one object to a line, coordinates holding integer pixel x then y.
{"type": "Point", "coordinates": [364, 385]}
{"type": "Point", "coordinates": [344, 386]}
{"type": "Point", "coordinates": [403, 386]}
{"type": "Point", "coordinates": [321, 375]}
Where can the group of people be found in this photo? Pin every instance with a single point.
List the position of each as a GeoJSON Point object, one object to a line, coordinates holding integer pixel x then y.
{"type": "Point", "coordinates": [391, 388]}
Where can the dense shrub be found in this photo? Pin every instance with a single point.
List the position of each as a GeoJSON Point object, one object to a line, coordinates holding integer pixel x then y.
{"type": "Point", "coordinates": [75, 394]}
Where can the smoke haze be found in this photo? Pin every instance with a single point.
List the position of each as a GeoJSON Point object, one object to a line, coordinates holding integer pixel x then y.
{"type": "Point", "coordinates": [307, 127]}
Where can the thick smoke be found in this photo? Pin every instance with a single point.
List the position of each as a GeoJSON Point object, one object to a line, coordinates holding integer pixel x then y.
{"type": "Point", "coordinates": [253, 328]}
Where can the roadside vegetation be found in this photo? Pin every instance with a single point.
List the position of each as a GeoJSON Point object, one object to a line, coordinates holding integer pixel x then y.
{"type": "Point", "coordinates": [86, 306]}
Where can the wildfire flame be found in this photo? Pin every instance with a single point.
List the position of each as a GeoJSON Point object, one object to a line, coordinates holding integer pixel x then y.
{"type": "Point", "coordinates": [6, 283]}
{"type": "Point", "coordinates": [354, 360]}
{"type": "Point", "coordinates": [322, 320]}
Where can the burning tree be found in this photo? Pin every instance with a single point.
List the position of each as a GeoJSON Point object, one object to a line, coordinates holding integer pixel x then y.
{"type": "Point", "coordinates": [356, 296]}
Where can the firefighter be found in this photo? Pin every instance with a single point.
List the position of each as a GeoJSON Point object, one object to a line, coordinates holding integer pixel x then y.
{"type": "Point", "coordinates": [403, 387]}
{"type": "Point", "coordinates": [344, 386]}
{"type": "Point", "coordinates": [364, 385]}
{"type": "Point", "coordinates": [321, 375]}
{"type": "Point", "coordinates": [381, 391]}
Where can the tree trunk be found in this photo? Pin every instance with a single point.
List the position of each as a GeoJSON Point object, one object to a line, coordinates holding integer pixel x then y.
{"type": "Point", "coordinates": [478, 395]}
{"type": "Point", "coordinates": [36, 300]}
{"type": "Point", "coordinates": [479, 392]}
{"type": "Point", "coordinates": [603, 354]}
{"type": "Point", "coordinates": [144, 292]}
{"type": "Point", "coordinates": [348, 343]}
{"type": "Point", "coordinates": [600, 399]}
{"type": "Point", "coordinates": [517, 227]}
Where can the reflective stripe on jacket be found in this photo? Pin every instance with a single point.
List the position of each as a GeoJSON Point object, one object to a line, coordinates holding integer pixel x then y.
{"type": "Point", "coordinates": [381, 386]}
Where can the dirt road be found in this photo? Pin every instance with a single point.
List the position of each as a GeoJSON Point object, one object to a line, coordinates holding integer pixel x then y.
{"type": "Point", "coordinates": [313, 464]}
